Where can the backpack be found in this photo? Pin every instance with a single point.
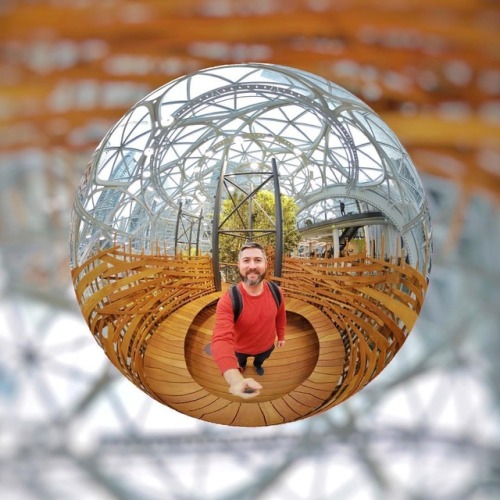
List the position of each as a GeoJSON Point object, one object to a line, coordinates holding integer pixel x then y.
{"type": "Point", "coordinates": [237, 299]}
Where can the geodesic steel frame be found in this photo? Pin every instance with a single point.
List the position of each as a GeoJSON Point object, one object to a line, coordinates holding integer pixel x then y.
{"type": "Point", "coordinates": [172, 146]}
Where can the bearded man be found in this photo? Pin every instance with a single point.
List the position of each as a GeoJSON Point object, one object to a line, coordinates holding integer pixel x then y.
{"type": "Point", "coordinates": [259, 327]}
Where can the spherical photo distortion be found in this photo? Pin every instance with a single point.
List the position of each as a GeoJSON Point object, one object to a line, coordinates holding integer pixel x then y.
{"type": "Point", "coordinates": [238, 153]}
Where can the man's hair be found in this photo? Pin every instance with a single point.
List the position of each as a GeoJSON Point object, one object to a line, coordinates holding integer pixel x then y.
{"type": "Point", "coordinates": [251, 244]}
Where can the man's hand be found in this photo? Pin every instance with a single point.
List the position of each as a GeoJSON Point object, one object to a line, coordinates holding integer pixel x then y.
{"type": "Point", "coordinates": [245, 388]}
{"type": "Point", "coordinates": [280, 343]}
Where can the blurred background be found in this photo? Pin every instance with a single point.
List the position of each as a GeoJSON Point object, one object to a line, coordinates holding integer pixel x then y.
{"type": "Point", "coordinates": [71, 427]}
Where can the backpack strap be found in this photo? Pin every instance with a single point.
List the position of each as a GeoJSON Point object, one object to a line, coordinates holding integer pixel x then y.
{"type": "Point", "coordinates": [275, 291]}
{"type": "Point", "coordinates": [237, 299]}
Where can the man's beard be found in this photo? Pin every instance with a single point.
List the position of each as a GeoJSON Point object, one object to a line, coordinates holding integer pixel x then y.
{"type": "Point", "coordinates": [253, 282]}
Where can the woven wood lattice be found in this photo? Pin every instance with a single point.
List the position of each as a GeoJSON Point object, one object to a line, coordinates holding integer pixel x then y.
{"type": "Point", "coordinates": [154, 315]}
{"type": "Point", "coordinates": [124, 297]}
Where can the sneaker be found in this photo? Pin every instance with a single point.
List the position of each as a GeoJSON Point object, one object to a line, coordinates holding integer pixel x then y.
{"type": "Point", "coordinates": [259, 370]}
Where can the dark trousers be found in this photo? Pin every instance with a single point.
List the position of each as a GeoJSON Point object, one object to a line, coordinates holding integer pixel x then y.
{"type": "Point", "coordinates": [258, 358]}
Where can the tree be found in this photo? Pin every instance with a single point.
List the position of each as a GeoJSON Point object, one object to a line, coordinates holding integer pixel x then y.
{"type": "Point", "coordinates": [261, 225]}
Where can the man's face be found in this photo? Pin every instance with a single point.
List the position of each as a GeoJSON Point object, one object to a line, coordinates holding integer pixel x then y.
{"type": "Point", "coordinates": [252, 266]}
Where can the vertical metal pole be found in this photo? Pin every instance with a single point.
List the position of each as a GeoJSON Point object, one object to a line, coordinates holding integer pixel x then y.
{"type": "Point", "coordinates": [190, 237]}
{"type": "Point", "coordinates": [215, 229]}
{"type": "Point", "coordinates": [278, 257]}
{"type": "Point", "coordinates": [250, 214]}
{"type": "Point", "coordinates": [200, 221]}
{"type": "Point", "coordinates": [176, 237]}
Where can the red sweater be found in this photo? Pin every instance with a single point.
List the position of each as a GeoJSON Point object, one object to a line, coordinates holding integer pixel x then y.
{"type": "Point", "coordinates": [255, 331]}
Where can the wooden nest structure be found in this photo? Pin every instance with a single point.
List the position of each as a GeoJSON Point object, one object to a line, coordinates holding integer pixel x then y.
{"type": "Point", "coordinates": [153, 316]}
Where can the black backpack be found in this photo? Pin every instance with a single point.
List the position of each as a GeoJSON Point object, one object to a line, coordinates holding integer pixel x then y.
{"type": "Point", "coordinates": [237, 299]}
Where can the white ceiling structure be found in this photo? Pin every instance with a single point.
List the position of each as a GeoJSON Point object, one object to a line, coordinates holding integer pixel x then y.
{"type": "Point", "coordinates": [71, 427]}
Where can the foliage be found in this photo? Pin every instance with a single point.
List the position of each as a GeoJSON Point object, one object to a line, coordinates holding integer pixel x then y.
{"type": "Point", "coordinates": [262, 223]}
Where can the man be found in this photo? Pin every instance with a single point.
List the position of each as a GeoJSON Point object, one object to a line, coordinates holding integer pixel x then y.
{"type": "Point", "coordinates": [253, 334]}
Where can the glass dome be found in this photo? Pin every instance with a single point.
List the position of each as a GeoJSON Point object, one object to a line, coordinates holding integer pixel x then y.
{"type": "Point", "coordinates": [172, 146]}
{"type": "Point", "coordinates": [178, 179]}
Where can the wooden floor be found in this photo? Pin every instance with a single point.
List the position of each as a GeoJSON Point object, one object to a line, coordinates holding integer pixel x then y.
{"type": "Point", "coordinates": [298, 379]}
{"type": "Point", "coordinates": [285, 370]}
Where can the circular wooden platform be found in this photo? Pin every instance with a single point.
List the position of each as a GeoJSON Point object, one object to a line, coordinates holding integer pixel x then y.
{"type": "Point", "coordinates": [285, 370]}
{"type": "Point", "coordinates": [298, 381]}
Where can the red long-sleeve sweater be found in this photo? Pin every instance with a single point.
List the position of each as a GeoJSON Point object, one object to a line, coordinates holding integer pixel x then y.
{"type": "Point", "coordinates": [255, 331]}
